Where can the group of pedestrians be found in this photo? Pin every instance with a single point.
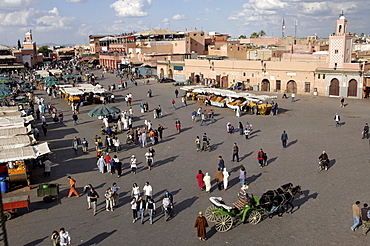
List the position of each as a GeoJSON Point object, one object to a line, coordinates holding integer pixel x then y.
{"type": "Point", "coordinates": [361, 216]}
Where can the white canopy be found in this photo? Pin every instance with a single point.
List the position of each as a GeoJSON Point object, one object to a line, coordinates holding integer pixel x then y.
{"type": "Point", "coordinates": [24, 153]}
{"type": "Point", "coordinates": [15, 142]}
{"type": "Point", "coordinates": [9, 132]}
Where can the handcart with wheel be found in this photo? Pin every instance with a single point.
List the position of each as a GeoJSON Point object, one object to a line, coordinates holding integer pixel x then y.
{"type": "Point", "coordinates": [49, 192]}
{"type": "Point", "coordinates": [12, 204]}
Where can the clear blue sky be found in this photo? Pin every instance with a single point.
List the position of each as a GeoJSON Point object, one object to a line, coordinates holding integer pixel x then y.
{"type": "Point", "coordinates": [71, 21]}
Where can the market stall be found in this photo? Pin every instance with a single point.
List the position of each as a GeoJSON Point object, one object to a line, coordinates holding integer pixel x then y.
{"type": "Point", "coordinates": [17, 161]}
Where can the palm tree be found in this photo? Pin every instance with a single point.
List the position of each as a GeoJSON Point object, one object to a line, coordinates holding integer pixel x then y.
{"type": "Point", "coordinates": [261, 33]}
{"type": "Point", "coordinates": [254, 35]}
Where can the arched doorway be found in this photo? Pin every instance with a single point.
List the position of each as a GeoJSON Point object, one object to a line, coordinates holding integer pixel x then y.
{"type": "Point", "coordinates": [170, 74]}
{"type": "Point", "coordinates": [291, 87]}
{"type": "Point", "coordinates": [352, 88]}
{"type": "Point", "coordinates": [197, 78]}
{"type": "Point", "coordinates": [265, 85]}
{"type": "Point", "coordinates": [334, 87]}
{"type": "Point", "coordinates": [161, 73]}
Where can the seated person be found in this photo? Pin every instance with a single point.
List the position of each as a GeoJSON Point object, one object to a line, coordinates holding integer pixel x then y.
{"type": "Point", "coordinates": [102, 130]}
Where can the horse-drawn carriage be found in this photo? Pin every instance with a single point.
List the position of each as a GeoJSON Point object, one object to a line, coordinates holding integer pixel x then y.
{"type": "Point", "coordinates": [250, 209]}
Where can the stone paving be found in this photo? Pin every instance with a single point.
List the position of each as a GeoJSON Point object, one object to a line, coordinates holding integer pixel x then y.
{"type": "Point", "coordinates": [323, 214]}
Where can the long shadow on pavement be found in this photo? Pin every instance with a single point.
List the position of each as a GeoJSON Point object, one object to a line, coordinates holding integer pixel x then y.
{"type": "Point", "coordinates": [98, 238]}
{"type": "Point", "coordinates": [300, 201]}
{"type": "Point", "coordinates": [253, 178]}
{"type": "Point", "coordinates": [291, 143]}
{"type": "Point", "coordinates": [36, 242]}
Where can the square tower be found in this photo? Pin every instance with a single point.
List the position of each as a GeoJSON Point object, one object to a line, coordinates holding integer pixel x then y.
{"type": "Point", "coordinates": [340, 45]}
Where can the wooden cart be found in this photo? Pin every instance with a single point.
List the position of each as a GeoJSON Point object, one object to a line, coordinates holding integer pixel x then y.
{"type": "Point", "coordinates": [48, 192]}
{"type": "Point", "coordinates": [11, 205]}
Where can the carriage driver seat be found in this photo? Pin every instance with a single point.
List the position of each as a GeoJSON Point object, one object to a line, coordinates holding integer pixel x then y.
{"type": "Point", "coordinates": [217, 201]}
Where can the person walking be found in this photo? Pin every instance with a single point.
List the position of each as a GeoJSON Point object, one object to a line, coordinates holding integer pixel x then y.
{"type": "Point", "coordinates": [205, 142]}
{"type": "Point", "coordinates": [260, 157]}
{"type": "Point", "coordinates": [200, 177]}
{"type": "Point", "coordinates": [342, 102]}
{"type": "Point", "coordinates": [108, 200]}
{"type": "Point", "coordinates": [149, 159]}
{"type": "Point", "coordinates": [94, 200]}
{"type": "Point", "coordinates": [141, 205]}
{"type": "Point", "coordinates": [160, 131]}
{"type": "Point", "coordinates": [365, 132]}
{"type": "Point", "coordinates": [75, 144]}
{"type": "Point", "coordinates": [176, 93]}
{"type": "Point", "coordinates": [197, 143]}
{"type": "Point", "coordinates": [135, 191]}
{"type": "Point", "coordinates": [178, 125]}
{"type": "Point", "coordinates": [148, 191]}
{"type": "Point", "coordinates": [337, 120]}
{"type": "Point", "coordinates": [356, 215]}
{"type": "Point", "coordinates": [55, 237]}
{"type": "Point", "coordinates": [284, 139]}
{"type": "Point", "coordinates": [207, 182]}
{"type": "Point", "coordinates": [133, 164]}
{"type": "Point", "coordinates": [44, 127]}
{"type": "Point", "coordinates": [201, 225]}
{"type": "Point", "coordinates": [293, 97]}
{"type": "Point", "coordinates": [240, 128]}
{"type": "Point", "coordinates": [173, 102]}
{"type": "Point", "coordinates": [75, 118]}
{"type": "Point", "coordinates": [85, 145]}
{"type": "Point", "coordinates": [72, 187]}
{"type": "Point", "coordinates": [64, 236]}
{"type": "Point", "coordinates": [242, 175]}
{"type": "Point", "coordinates": [101, 164]}
{"type": "Point", "coordinates": [150, 207]}
{"type": "Point", "coordinates": [134, 209]}
{"type": "Point", "coordinates": [284, 95]}
{"type": "Point", "coordinates": [221, 163]}
{"type": "Point", "coordinates": [225, 178]}
{"type": "Point", "coordinates": [219, 178]}
{"type": "Point", "coordinates": [365, 216]}
{"type": "Point", "coordinates": [235, 153]}
{"type": "Point", "coordinates": [87, 190]}
{"type": "Point", "coordinates": [202, 119]}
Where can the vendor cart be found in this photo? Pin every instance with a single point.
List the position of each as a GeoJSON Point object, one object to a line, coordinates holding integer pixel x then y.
{"type": "Point", "coordinates": [48, 191]}
{"type": "Point", "coordinates": [11, 205]}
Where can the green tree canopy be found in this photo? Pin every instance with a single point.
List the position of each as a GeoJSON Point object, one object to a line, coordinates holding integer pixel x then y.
{"type": "Point", "coordinates": [242, 36]}
{"type": "Point", "coordinates": [44, 50]}
{"type": "Point", "coordinates": [254, 35]}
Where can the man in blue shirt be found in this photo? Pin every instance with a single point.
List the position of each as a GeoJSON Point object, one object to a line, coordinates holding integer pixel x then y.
{"type": "Point", "coordinates": [284, 138]}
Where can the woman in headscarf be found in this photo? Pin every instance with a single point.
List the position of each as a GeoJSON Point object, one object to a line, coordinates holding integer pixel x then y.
{"type": "Point", "coordinates": [101, 164]}
{"type": "Point", "coordinates": [226, 178]}
{"type": "Point", "coordinates": [207, 181]}
{"type": "Point", "coordinates": [200, 177]}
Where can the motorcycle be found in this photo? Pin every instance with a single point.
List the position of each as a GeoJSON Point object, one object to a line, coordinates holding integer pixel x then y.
{"type": "Point", "coordinates": [323, 165]}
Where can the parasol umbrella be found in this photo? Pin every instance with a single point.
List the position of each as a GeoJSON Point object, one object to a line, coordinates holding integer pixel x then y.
{"type": "Point", "coordinates": [4, 93]}
{"type": "Point", "coordinates": [53, 83]}
{"type": "Point", "coordinates": [103, 110]}
{"type": "Point", "coordinates": [51, 78]}
{"type": "Point", "coordinates": [68, 76]}
{"type": "Point", "coordinates": [5, 81]}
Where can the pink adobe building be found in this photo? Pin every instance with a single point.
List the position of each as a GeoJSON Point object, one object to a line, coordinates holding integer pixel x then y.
{"type": "Point", "coordinates": [147, 47]}
{"type": "Point", "coordinates": [326, 73]}
{"type": "Point", "coordinates": [28, 53]}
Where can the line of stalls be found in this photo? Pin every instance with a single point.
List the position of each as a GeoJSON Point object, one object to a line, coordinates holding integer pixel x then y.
{"type": "Point", "coordinates": [18, 148]}
{"type": "Point", "coordinates": [228, 98]}
{"type": "Point", "coordinates": [83, 94]}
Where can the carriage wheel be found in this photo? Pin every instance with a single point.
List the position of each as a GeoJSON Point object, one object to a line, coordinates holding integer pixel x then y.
{"type": "Point", "coordinates": [47, 199]}
{"type": "Point", "coordinates": [254, 217]}
{"type": "Point", "coordinates": [224, 223]}
{"type": "Point", "coordinates": [212, 213]}
{"type": "Point", "coordinates": [7, 215]}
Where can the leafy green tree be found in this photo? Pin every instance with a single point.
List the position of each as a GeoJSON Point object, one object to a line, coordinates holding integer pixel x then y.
{"type": "Point", "coordinates": [261, 33]}
{"type": "Point", "coordinates": [44, 50]}
{"type": "Point", "coordinates": [254, 35]}
{"type": "Point", "coordinates": [242, 36]}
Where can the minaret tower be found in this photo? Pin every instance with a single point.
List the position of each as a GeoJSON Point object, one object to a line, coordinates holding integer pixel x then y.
{"type": "Point", "coordinates": [340, 45]}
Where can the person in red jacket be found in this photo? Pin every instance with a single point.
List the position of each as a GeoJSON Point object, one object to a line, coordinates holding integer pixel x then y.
{"type": "Point", "coordinates": [260, 157]}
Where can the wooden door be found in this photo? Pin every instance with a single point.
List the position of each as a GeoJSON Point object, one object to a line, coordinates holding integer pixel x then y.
{"type": "Point", "coordinates": [352, 88]}
{"type": "Point", "coordinates": [291, 87]}
{"type": "Point", "coordinates": [334, 87]}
